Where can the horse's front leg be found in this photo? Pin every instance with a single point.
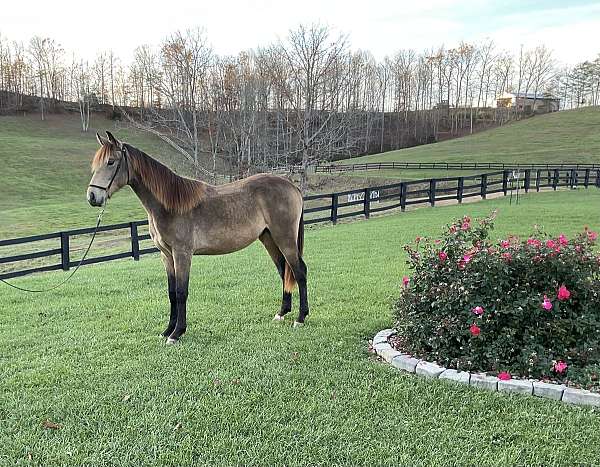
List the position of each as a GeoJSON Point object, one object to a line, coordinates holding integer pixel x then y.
{"type": "Point", "coordinates": [182, 261]}
{"type": "Point", "coordinates": [167, 260]}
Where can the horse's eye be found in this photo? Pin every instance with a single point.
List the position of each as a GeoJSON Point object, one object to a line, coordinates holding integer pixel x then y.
{"type": "Point", "coordinates": [110, 162]}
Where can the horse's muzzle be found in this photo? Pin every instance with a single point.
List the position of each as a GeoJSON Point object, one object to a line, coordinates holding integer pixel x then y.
{"type": "Point", "coordinates": [93, 198]}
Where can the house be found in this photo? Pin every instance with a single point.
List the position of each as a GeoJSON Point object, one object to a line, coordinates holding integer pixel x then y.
{"type": "Point", "coordinates": [529, 102]}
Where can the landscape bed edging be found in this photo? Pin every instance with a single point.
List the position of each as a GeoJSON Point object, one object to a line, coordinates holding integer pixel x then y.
{"type": "Point", "coordinates": [410, 364]}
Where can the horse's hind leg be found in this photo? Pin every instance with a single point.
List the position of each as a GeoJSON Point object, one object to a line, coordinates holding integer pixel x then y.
{"type": "Point", "coordinates": [279, 260]}
{"type": "Point", "coordinates": [298, 266]}
{"type": "Point", "coordinates": [170, 269]}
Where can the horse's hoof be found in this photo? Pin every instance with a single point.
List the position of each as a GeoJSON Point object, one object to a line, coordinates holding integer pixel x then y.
{"type": "Point", "coordinates": [298, 324]}
{"type": "Point", "coordinates": [172, 341]}
{"type": "Point", "coordinates": [278, 317]}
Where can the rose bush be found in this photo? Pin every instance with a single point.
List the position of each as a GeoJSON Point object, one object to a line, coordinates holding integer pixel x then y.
{"type": "Point", "coordinates": [528, 308]}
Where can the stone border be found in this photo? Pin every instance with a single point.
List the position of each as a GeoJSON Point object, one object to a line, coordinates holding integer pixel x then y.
{"type": "Point", "coordinates": [406, 362]}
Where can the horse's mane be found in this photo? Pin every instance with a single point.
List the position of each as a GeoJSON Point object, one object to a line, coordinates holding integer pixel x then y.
{"type": "Point", "coordinates": [177, 194]}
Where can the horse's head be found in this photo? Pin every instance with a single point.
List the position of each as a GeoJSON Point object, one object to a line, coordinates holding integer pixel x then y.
{"type": "Point", "coordinates": [110, 170]}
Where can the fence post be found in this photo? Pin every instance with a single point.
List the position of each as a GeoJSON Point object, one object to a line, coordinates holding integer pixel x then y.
{"type": "Point", "coordinates": [527, 180]}
{"type": "Point", "coordinates": [537, 180]}
{"type": "Point", "coordinates": [598, 178]}
{"type": "Point", "coordinates": [461, 188]}
{"type": "Point", "coordinates": [403, 196]}
{"type": "Point", "coordinates": [505, 182]}
{"type": "Point", "coordinates": [135, 241]}
{"type": "Point", "coordinates": [483, 186]}
{"type": "Point", "coordinates": [574, 175]}
{"type": "Point", "coordinates": [586, 180]}
{"type": "Point", "coordinates": [334, 208]}
{"type": "Point", "coordinates": [432, 184]}
{"type": "Point", "coordinates": [367, 203]}
{"type": "Point", "coordinates": [555, 179]}
{"type": "Point", "coordinates": [64, 251]}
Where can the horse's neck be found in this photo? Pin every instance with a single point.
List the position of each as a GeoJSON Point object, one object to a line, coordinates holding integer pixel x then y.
{"type": "Point", "coordinates": [151, 204]}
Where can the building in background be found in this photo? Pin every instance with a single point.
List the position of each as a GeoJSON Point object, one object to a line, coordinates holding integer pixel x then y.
{"type": "Point", "coordinates": [529, 102]}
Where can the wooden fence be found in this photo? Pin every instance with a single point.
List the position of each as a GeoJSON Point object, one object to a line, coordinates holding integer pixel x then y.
{"type": "Point", "coordinates": [340, 168]}
{"type": "Point", "coordinates": [329, 207]}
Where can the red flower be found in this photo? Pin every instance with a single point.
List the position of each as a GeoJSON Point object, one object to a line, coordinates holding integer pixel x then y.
{"type": "Point", "coordinates": [592, 236]}
{"type": "Point", "coordinates": [560, 367]}
{"type": "Point", "coordinates": [562, 240]}
{"type": "Point", "coordinates": [534, 242]}
{"type": "Point", "coordinates": [506, 256]}
{"type": "Point", "coordinates": [504, 376]}
{"type": "Point", "coordinates": [563, 293]}
{"type": "Point", "coordinates": [405, 281]}
{"type": "Point", "coordinates": [475, 330]}
{"type": "Point", "coordinates": [551, 244]}
{"type": "Point", "coordinates": [443, 256]}
{"type": "Point", "coordinates": [452, 229]}
{"type": "Point", "coordinates": [505, 244]}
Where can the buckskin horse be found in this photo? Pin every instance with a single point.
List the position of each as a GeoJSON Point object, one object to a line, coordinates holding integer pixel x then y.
{"type": "Point", "coordinates": [188, 217]}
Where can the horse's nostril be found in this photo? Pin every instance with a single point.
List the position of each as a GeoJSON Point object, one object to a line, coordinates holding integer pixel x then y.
{"type": "Point", "coordinates": [92, 197]}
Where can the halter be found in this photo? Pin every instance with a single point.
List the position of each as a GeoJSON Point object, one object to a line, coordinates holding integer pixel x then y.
{"type": "Point", "coordinates": [123, 158]}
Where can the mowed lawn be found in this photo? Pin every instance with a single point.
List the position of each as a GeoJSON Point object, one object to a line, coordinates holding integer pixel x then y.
{"type": "Point", "coordinates": [567, 136]}
{"type": "Point", "coordinates": [241, 389]}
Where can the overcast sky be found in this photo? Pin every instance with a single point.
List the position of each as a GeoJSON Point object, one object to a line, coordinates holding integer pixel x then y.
{"type": "Point", "coordinates": [569, 27]}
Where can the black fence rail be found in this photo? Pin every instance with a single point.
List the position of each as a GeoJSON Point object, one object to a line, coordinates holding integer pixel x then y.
{"type": "Point", "coordinates": [329, 207]}
{"type": "Point", "coordinates": [340, 168]}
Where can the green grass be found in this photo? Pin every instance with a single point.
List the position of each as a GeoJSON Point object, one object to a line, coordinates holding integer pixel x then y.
{"type": "Point", "coordinates": [568, 136]}
{"type": "Point", "coordinates": [46, 169]}
{"type": "Point", "coordinates": [241, 389]}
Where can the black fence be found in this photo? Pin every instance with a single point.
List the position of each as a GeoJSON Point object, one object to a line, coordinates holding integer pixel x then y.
{"type": "Point", "coordinates": [340, 168]}
{"type": "Point", "coordinates": [329, 207]}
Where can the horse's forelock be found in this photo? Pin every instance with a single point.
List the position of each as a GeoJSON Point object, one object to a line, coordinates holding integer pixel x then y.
{"type": "Point", "coordinates": [102, 155]}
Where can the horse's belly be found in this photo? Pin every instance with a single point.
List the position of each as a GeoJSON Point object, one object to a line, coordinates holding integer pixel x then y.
{"type": "Point", "coordinates": [221, 244]}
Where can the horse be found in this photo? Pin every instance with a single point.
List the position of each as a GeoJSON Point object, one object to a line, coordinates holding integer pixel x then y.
{"type": "Point", "coordinates": [188, 217]}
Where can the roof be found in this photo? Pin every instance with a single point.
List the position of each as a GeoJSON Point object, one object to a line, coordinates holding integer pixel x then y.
{"type": "Point", "coordinates": [528, 95]}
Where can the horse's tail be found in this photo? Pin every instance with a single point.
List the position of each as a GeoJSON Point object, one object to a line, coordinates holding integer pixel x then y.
{"type": "Point", "coordinates": [288, 279]}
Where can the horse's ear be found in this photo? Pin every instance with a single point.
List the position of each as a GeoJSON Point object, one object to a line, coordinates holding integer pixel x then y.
{"type": "Point", "coordinates": [101, 141]}
{"type": "Point", "coordinates": [114, 140]}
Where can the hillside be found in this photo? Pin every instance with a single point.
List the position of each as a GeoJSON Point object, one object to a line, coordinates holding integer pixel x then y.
{"type": "Point", "coordinates": [46, 169]}
{"type": "Point", "coordinates": [568, 136]}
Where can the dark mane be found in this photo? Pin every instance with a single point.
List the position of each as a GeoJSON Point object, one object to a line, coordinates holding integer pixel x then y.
{"type": "Point", "coordinates": [177, 194]}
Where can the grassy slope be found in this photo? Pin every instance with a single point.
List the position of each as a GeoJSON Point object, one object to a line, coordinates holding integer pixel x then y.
{"type": "Point", "coordinates": [246, 390]}
{"type": "Point", "coordinates": [570, 136]}
{"type": "Point", "coordinates": [46, 168]}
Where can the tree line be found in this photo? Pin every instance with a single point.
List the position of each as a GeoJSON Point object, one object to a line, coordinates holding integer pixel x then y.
{"type": "Point", "coordinates": [306, 98]}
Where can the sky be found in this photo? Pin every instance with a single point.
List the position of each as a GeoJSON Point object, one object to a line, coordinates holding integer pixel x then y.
{"type": "Point", "coordinates": [568, 27]}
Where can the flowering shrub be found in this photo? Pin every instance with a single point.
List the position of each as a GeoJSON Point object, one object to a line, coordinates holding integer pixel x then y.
{"type": "Point", "coordinates": [527, 308]}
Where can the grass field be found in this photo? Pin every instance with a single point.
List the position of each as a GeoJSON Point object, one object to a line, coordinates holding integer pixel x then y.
{"type": "Point", "coordinates": [46, 169]}
{"type": "Point", "coordinates": [569, 136]}
{"type": "Point", "coordinates": [241, 389]}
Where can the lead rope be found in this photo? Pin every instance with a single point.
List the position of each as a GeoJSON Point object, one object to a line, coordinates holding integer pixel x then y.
{"type": "Point", "coordinates": [23, 289]}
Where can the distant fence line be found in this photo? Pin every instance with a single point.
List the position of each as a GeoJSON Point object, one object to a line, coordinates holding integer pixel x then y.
{"type": "Point", "coordinates": [330, 207]}
{"type": "Point", "coordinates": [340, 168]}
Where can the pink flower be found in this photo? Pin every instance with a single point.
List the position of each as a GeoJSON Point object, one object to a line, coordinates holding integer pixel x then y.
{"type": "Point", "coordinates": [534, 242]}
{"type": "Point", "coordinates": [546, 304]}
{"type": "Point", "coordinates": [465, 226]}
{"type": "Point", "coordinates": [437, 242]}
{"type": "Point", "coordinates": [506, 256]}
{"type": "Point", "coordinates": [478, 310]}
{"type": "Point", "coordinates": [466, 258]}
{"type": "Point", "coordinates": [560, 367]}
{"type": "Point", "coordinates": [443, 256]}
{"type": "Point", "coordinates": [563, 293]}
{"type": "Point", "coordinates": [562, 240]}
{"type": "Point", "coordinates": [467, 219]}
{"type": "Point", "coordinates": [578, 248]}
{"type": "Point", "coordinates": [405, 281]}
{"type": "Point", "coordinates": [551, 244]}
{"type": "Point", "coordinates": [505, 244]}
{"type": "Point", "coordinates": [592, 236]}
{"type": "Point", "coordinates": [452, 229]}
{"type": "Point", "coordinates": [504, 376]}
{"type": "Point", "coordinates": [475, 330]}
